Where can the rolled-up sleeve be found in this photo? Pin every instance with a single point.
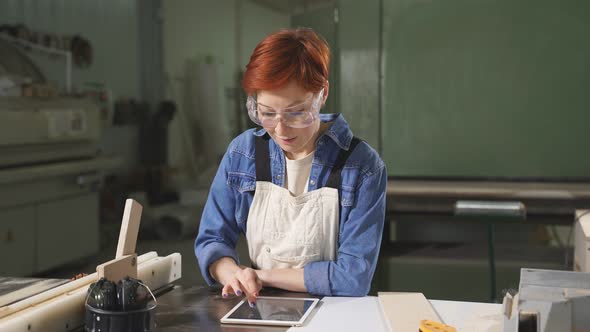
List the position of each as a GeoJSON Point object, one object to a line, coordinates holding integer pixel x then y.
{"type": "Point", "coordinates": [359, 243]}
{"type": "Point", "coordinates": [218, 230]}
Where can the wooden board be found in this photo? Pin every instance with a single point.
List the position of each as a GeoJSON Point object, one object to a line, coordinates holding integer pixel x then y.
{"type": "Point", "coordinates": [125, 262]}
{"type": "Point", "coordinates": [129, 228]}
{"type": "Point", "coordinates": [404, 311]}
{"type": "Point", "coordinates": [16, 289]}
{"type": "Point", "coordinates": [118, 268]}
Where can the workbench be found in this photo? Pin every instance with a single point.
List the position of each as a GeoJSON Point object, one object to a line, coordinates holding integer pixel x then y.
{"type": "Point", "coordinates": [200, 308]}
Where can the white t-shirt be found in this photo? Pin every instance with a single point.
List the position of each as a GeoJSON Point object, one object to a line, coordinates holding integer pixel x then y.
{"type": "Point", "coordinates": [298, 172]}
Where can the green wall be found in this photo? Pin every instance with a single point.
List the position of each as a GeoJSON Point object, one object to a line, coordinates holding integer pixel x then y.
{"type": "Point", "coordinates": [358, 37]}
{"type": "Point", "coordinates": [462, 88]}
{"type": "Point", "coordinates": [486, 88]}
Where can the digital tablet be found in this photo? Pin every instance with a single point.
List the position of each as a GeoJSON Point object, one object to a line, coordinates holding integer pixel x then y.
{"type": "Point", "coordinates": [281, 311]}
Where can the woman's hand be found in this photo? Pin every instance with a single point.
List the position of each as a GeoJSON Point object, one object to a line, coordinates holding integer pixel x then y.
{"type": "Point", "coordinates": [244, 281]}
{"type": "Point", "coordinates": [239, 280]}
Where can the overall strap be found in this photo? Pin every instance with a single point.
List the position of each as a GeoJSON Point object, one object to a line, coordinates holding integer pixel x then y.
{"type": "Point", "coordinates": [335, 178]}
{"type": "Point", "coordinates": [262, 157]}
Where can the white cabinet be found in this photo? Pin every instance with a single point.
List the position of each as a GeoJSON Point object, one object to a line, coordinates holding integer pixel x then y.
{"type": "Point", "coordinates": [50, 173]}
{"type": "Point", "coordinates": [38, 237]}
{"type": "Point", "coordinates": [17, 242]}
{"type": "Point", "coordinates": [66, 230]}
{"type": "Point", "coordinates": [49, 216]}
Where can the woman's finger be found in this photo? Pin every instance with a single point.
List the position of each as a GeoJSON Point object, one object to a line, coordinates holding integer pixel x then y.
{"type": "Point", "coordinates": [226, 290]}
{"type": "Point", "coordinates": [236, 287]}
{"type": "Point", "coordinates": [251, 283]}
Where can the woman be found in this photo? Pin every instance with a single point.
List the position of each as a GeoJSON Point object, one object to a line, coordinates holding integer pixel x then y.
{"type": "Point", "coordinates": [308, 195]}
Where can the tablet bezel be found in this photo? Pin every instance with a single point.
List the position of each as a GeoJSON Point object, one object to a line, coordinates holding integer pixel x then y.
{"type": "Point", "coordinates": [226, 320]}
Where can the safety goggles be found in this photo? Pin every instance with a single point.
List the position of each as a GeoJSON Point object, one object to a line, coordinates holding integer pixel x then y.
{"type": "Point", "coordinates": [297, 116]}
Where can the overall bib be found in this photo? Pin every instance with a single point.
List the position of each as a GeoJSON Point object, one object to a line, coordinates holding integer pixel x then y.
{"type": "Point", "coordinates": [286, 231]}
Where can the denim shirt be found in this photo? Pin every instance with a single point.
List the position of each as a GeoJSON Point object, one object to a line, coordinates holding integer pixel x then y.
{"type": "Point", "coordinates": [362, 212]}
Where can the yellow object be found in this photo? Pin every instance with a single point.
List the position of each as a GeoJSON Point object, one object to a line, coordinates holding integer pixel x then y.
{"type": "Point", "coordinates": [432, 326]}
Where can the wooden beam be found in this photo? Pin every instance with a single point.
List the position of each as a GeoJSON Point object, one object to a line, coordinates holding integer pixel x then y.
{"type": "Point", "coordinates": [129, 228]}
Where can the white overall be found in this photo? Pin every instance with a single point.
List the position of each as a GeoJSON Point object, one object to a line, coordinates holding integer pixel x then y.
{"type": "Point", "coordinates": [286, 231]}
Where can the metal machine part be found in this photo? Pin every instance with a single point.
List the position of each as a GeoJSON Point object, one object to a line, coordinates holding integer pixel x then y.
{"type": "Point", "coordinates": [34, 131]}
{"type": "Point", "coordinates": [496, 210]}
{"type": "Point", "coordinates": [50, 172]}
{"type": "Point", "coordinates": [15, 63]}
{"type": "Point", "coordinates": [16, 289]}
{"type": "Point", "coordinates": [582, 241]}
{"type": "Point", "coordinates": [493, 209]}
{"type": "Point", "coordinates": [528, 321]}
{"type": "Point", "coordinates": [548, 301]}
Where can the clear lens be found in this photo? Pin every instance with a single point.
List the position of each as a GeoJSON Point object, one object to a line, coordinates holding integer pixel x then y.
{"type": "Point", "coordinates": [297, 119]}
{"type": "Point", "coordinates": [298, 116]}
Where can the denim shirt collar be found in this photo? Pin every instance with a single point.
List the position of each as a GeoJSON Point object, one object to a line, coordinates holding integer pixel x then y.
{"type": "Point", "coordinates": [339, 131]}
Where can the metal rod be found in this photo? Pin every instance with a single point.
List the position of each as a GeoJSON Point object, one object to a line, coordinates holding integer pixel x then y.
{"type": "Point", "coordinates": [492, 261]}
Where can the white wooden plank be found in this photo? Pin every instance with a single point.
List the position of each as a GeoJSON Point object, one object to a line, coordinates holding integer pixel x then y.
{"type": "Point", "coordinates": [69, 287]}
{"type": "Point", "coordinates": [17, 289]}
{"type": "Point", "coordinates": [404, 311]}
{"type": "Point", "coordinates": [66, 311]}
{"type": "Point", "coordinates": [582, 241]}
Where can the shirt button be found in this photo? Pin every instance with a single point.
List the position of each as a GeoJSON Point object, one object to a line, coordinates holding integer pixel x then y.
{"type": "Point", "coordinates": [312, 182]}
{"type": "Point", "coordinates": [267, 249]}
{"type": "Point", "coordinates": [279, 176]}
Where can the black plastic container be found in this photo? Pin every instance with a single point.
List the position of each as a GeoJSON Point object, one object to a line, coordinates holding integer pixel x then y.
{"type": "Point", "coordinates": [142, 320]}
{"type": "Point", "coordinates": [119, 307]}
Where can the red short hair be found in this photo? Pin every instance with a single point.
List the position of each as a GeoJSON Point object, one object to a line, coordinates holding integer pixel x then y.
{"type": "Point", "coordinates": [295, 54]}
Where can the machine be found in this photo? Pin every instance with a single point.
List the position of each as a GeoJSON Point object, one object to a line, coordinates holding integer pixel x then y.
{"type": "Point", "coordinates": [50, 172]}
{"type": "Point", "coordinates": [554, 301]}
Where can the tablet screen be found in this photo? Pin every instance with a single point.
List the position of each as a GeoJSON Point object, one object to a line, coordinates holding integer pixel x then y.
{"type": "Point", "coordinates": [273, 309]}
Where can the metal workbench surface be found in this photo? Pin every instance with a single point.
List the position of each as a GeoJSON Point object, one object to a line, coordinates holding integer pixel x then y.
{"type": "Point", "coordinates": [200, 308]}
